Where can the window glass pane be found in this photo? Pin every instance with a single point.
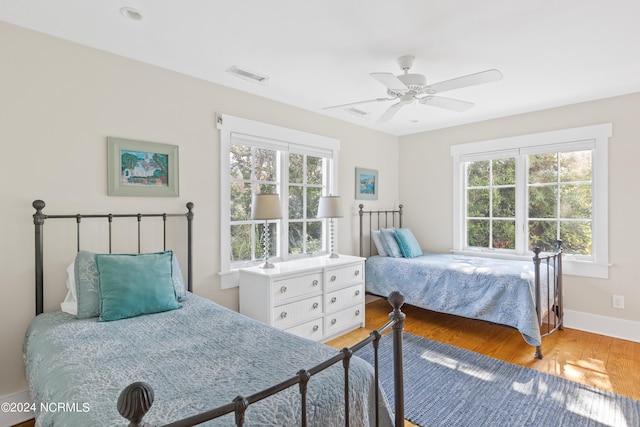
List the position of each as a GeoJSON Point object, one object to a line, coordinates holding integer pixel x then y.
{"type": "Point", "coordinates": [267, 189]}
{"type": "Point", "coordinates": [296, 170]}
{"type": "Point", "coordinates": [266, 162]}
{"type": "Point", "coordinates": [313, 199]}
{"type": "Point", "coordinates": [478, 173]}
{"type": "Point", "coordinates": [314, 233]}
{"type": "Point", "coordinates": [542, 202]}
{"type": "Point", "coordinates": [575, 166]}
{"type": "Point", "coordinates": [314, 170]}
{"type": "Point", "coordinates": [241, 242]}
{"type": "Point", "coordinates": [240, 201]}
{"type": "Point", "coordinates": [295, 202]}
{"type": "Point", "coordinates": [478, 203]}
{"type": "Point", "coordinates": [504, 234]}
{"type": "Point", "coordinates": [478, 233]}
{"type": "Point", "coordinates": [240, 162]}
{"type": "Point", "coordinates": [543, 234]}
{"type": "Point", "coordinates": [575, 201]}
{"type": "Point", "coordinates": [576, 237]}
{"type": "Point", "coordinates": [543, 168]}
{"type": "Point", "coordinates": [504, 171]}
{"type": "Point", "coordinates": [504, 202]}
{"type": "Point", "coordinates": [296, 238]}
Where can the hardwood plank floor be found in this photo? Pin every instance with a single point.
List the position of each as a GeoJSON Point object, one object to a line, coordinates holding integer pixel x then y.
{"type": "Point", "coordinates": [596, 360]}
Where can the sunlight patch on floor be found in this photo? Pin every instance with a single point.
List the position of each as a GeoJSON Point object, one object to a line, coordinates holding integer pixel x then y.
{"type": "Point", "coordinates": [454, 364]}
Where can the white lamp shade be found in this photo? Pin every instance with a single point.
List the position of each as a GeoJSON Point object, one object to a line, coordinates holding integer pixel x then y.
{"type": "Point", "coordinates": [330, 207]}
{"type": "Point", "coordinates": [266, 206]}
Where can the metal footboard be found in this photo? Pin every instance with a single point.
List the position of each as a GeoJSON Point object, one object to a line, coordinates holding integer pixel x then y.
{"type": "Point", "coordinates": [137, 398]}
{"type": "Point", "coordinates": [549, 267]}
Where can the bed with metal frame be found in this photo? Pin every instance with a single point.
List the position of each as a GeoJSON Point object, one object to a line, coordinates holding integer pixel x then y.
{"type": "Point", "coordinates": [443, 282]}
{"type": "Point", "coordinates": [136, 399]}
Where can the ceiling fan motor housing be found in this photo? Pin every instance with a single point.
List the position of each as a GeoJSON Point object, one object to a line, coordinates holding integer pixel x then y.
{"type": "Point", "coordinates": [415, 83]}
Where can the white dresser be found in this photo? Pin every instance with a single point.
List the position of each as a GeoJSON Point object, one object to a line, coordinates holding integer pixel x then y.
{"type": "Point", "coordinates": [318, 298]}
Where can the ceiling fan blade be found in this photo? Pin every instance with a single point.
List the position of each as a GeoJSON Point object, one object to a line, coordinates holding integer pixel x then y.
{"type": "Point", "coordinates": [465, 81]}
{"type": "Point", "coordinates": [389, 112]}
{"type": "Point", "coordinates": [447, 103]}
{"type": "Point", "coordinates": [358, 102]}
{"type": "Point", "coordinates": [389, 80]}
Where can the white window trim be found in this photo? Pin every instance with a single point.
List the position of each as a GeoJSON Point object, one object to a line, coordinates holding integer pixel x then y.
{"type": "Point", "coordinates": [279, 138]}
{"type": "Point", "coordinates": [598, 135]}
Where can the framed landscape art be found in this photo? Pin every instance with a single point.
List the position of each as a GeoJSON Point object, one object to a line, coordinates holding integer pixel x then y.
{"type": "Point", "coordinates": [366, 184]}
{"type": "Point", "coordinates": [141, 168]}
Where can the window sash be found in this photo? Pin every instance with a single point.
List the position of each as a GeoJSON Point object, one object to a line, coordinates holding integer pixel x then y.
{"type": "Point", "coordinates": [594, 138]}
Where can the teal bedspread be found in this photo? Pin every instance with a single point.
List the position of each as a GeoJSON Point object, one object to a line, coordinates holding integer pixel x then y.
{"type": "Point", "coordinates": [496, 290]}
{"type": "Point", "coordinates": [196, 358]}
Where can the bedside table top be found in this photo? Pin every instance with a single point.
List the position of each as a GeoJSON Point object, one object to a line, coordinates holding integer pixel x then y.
{"type": "Point", "coordinates": [303, 264]}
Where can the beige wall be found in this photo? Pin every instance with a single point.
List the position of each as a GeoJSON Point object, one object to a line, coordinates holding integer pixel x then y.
{"type": "Point", "coordinates": [59, 103]}
{"type": "Point", "coordinates": [426, 190]}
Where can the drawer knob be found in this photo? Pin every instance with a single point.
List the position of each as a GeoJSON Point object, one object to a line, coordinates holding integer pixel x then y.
{"type": "Point", "coordinates": [358, 292]}
{"type": "Point", "coordinates": [333, 321]}
{"type": "Point", "coordinates": [333, 278]}
{"type": "Point", "coordinates": [333, 299]}
{"type": "Point", "coordinates": [357, 312]}
{"type": "Point", "coordinates": [315, 282]}
{"type": "Point", "coordinates": [283, 314]}
{"type": "Point", "coordinates": [283, 289]}
{"type": "Point", "coordinates": [315, 328]}
{"type": "Point", "coordinates": [357, 272]}
{"type": "Point", "coordinates": [315, 305]}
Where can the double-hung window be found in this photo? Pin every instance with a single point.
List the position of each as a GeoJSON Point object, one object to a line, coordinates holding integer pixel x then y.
{"type": "Point", "coordinates": [513, 194]}
{"type": "Point", "coordinates": [258, 158]}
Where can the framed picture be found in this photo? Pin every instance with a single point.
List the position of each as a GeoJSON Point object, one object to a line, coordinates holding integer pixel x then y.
{"type": "Point", "coordinates": [366, 184]}
{"type": "Point", "coordinates": [141, 168]}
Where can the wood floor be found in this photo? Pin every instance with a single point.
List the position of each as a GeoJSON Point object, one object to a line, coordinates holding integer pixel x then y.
{"type": "Point", "coordinates": [596, 360]}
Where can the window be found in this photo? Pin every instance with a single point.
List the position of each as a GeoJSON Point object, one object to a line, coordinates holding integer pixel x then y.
{"type": "Point", "coordinates": [261, 158]}
{"type": "Point", "coordinates": [514, 194]}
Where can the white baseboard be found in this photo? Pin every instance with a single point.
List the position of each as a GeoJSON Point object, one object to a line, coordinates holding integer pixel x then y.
{"type": "Point", "coordinates": [15, 401]}
{"type": "Point", "coordinates": [602, 325]}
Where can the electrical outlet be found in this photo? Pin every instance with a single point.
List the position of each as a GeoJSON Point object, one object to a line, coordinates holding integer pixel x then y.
{"type": "Point", "coordinates": [617, 301]}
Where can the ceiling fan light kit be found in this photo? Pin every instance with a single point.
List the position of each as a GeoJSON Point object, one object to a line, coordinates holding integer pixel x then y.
{"type": "Point", "coordinates": [409, 88]}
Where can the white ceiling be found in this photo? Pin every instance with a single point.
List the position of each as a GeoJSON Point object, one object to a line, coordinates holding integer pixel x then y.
{"type": "Point", "coordinates": [320, 53]}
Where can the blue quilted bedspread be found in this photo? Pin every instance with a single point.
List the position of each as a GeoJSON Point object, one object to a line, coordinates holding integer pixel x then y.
{"type": "Point", "coordinates": [495, 290]}
{"type": "Point", "coordinates": [196, 358]}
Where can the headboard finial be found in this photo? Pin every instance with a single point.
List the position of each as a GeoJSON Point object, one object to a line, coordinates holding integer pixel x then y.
{"type": "Point", "coordinates": [38, 217]}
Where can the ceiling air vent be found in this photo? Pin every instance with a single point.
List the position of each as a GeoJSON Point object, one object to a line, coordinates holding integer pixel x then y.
{"type": "Point", "coordinates": [248, 75]}
{"type": "Point", "coordinates": [359, 113]}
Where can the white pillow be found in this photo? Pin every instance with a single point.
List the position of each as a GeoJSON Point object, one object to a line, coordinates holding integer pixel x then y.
{"type": "Point", "coordinates": [375, 235]}
{"type": "Point", "coordinates": [70, 303]}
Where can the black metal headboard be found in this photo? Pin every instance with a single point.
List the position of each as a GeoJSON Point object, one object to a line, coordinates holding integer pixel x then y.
{"type": "Point", "coordinates": [39, 218]}
{"type": "Point", "coordinates": [376, 221]}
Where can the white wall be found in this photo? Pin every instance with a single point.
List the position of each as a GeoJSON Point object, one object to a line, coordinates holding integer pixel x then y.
{"type": "Point", "coordinates": [59, 102]}
{"type": "Point", "coordinates": [426, 190]}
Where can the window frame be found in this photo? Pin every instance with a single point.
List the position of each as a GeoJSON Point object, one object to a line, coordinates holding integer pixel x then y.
{"type": "Point", "coordinates": [594, 137]}
{"type": "Point", "coordinates": [284, 140]}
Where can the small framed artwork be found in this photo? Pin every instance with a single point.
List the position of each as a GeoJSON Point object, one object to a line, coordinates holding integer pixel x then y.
{"type": "Point", "coordinates": [366, 184]}
{"type": "Point", "coordinates": [141, 168]}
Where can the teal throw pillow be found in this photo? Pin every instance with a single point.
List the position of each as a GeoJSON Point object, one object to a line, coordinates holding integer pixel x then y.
{"type": "Point", "coordinates": [408, 243]}
{"type": "Point", "coordinates": [87, 292]}
{"type": "Point", "coordinates": [132, 285]}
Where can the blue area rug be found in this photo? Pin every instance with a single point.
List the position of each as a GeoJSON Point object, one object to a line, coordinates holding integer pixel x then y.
{"type": "Point", "coordinates": [453, 387]}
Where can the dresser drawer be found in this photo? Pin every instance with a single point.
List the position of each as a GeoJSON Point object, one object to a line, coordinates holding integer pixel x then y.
{"type": "Point", "coordinates": [338, 321]}
{"type": "Point", "coordinates": [289, 314]}
{"type": "Point", "coordinates": [312, 330]}
{"type": "Point", "coordinates": [342, 298]}
{"type": "Point", "coordinates": [339, 277]}
{"type": "Point", "coordinates": [296, 286]}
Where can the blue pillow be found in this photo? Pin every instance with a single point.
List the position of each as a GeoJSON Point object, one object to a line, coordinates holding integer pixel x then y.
{"type": "Point", "coordinates": [86, 282]}
{"type": "Point", "coordinates": [408, 243]}
{"type": "Point", "coordinates": [389, 242]}
{"type": "Point", "coordinates": [132, 285]}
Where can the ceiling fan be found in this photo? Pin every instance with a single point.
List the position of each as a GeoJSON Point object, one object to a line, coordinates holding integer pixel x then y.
{"type": "Point", "coordinates": [408, 88]}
